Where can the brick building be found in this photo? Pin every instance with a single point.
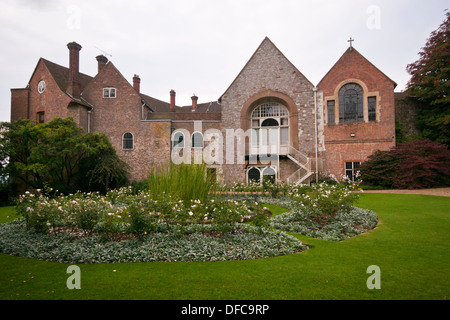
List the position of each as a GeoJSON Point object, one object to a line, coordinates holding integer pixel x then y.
{"type": "Point", "coordinates": [270, 122]}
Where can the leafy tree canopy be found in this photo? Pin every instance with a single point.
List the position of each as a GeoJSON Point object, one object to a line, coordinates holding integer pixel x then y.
{"type": "Point", "coordinates": [60, 155]}
{"type": "Point", "coordinates": [429, 83]}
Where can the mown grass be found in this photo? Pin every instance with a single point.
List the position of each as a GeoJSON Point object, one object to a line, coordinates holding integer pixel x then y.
{"type": "Point", "coordinates": [410, 245]}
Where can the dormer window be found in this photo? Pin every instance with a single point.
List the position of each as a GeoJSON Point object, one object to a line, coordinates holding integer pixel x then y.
{"type": "Point", "coordinates": [109, 92]}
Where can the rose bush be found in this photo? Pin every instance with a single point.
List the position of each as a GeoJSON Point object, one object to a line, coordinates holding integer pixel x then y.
{"type": "Point", "coordinates": [122, 211]}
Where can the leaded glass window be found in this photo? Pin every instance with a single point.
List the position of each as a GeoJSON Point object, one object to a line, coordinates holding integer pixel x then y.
{"type": "Point", "coordinates": [372, 108]}
{"type": "Point", "coordinates": [330, 107]}
{"type": "Point", "coordinates": [351, 103]}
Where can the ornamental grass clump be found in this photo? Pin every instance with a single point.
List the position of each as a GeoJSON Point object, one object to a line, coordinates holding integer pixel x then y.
{"type": "Point", "coordinates": [183, 182]}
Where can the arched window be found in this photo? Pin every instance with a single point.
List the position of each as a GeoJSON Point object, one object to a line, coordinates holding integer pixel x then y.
{"type": "Point", "coordinates": [270, 114]}
{"type": "Point", "coordinates": [127, 141]}
{"type": "Point", "coordinates": [270, 110]}
{"type": "Point", "coordinates": [254, 175]}
{"type": "Point", "coordinates": [269, 123]}
{"type": "Point", "coordinates": [197, 140]}
{"type": "Point", "coordinates": [269, 175]}
{"type": "Point", "coordinates": [351, 103]}
{"type": "Point", "coordinates": [178, 140]}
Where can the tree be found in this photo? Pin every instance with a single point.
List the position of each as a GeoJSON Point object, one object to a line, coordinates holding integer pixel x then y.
{"type": "Point", "coordinates": [56, 154]}
{"type": "Point", "coordinates": [412, 165]}
{"type": "Point", "coordinates": [423, 164]}
{"type": "Point", "coordinates": [429, 83]}
{"type": "Point", "coordinates": [379, 169]}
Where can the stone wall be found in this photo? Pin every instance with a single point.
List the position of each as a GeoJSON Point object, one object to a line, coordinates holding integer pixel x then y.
{"type": "Point", "coordinates": [406, 109]}
{"type": "Point", "coordinates": [269, 76]}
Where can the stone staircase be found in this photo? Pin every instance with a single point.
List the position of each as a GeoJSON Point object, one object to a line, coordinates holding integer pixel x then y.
{"type": "Point", "coordinates": [304, 164]}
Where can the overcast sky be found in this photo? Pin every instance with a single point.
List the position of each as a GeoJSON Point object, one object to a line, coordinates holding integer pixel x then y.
{"type": "Point", "coordinates": [200, 46]}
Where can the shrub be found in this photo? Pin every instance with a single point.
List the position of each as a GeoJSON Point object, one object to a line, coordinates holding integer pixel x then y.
{"type": "Point", "coordinates": [121, 211]}
{"type": "Point", "coordinates": [380, 169]}
{"type": "Point", "coordinates": [413, 165]}
{"type": "Point", "coordinates": [322, 201]}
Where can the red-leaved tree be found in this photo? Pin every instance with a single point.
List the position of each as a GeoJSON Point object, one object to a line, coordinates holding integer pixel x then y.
{"type": "Point", "coordinates": [412, 165]}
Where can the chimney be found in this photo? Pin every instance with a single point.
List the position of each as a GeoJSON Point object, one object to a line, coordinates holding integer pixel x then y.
{"type": "Point", "coordinates": [73, 84]}
{"type": "Point", "coordinates": [194, 102]}
{"type": "Point", "coordinates": [102, 61]}
{"type": "Point", "coordinates": [137, 83]}
{"type": "Point", "coordinates": [172, 100]}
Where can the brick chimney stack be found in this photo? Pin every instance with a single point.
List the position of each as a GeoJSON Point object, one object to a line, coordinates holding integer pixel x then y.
{"type": "Point", "coordinates": [73, 84]}
{"type": "Point", "coordinates": [172, 100]}
{"type": "Point", "coordinates": [102, 61]}
{"type": "Point", "coordinates": [194, 102]}
{"type": "Point", "coordinates": [137, 83]}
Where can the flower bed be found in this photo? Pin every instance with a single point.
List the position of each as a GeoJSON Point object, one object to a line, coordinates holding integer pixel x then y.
{"type": "Point", "coordinates": [125, 226]}
{"type": "Point", "coordinates": [121, 211]}
{"type": "Point", "coordinates": [183, 243]}
{"type": "Point", "coordinates": [345, 224]}
{"type": "Point", "coordinates": [303, 216]}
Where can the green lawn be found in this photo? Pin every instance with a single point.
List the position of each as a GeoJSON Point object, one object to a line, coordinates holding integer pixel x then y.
{"type": "Point", "coordinates": [410, 245]}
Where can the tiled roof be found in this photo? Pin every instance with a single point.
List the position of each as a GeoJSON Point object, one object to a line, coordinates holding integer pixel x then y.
{"type": "Point", "coordinates": [155, 104]}
{"type": "Point", "coordinates": [207, 107]}
{"type": "Point", "coordinates": [61, 75]}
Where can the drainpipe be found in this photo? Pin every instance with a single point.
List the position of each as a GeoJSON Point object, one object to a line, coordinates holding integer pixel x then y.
{"type": "Point", "coordinates": [315, 131]}
{"type": "Point", "coordinates": [89, 121]}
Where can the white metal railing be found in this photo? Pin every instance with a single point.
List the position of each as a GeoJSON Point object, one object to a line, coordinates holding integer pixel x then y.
{"type": "Point", "coordinates": [298, 155]}
{"type": "Point", "coordinates": [302, 160]}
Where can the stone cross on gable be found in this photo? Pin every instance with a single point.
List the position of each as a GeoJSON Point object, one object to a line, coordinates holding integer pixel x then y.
{"type": "Point", "coordinates": [350, 40]}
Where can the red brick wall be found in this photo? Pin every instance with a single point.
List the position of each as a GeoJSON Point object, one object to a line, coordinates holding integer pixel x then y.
{"type": "Point", "coordinates": [356, 141]}
{"type": "Point", "coordinates": [52, 101]}
{"type": "Point", "coordinates": [28, 102]}
{"type": "Point", "coordinates": [116, 116]}
{"type": "Point", "coordinates": [19, 104]}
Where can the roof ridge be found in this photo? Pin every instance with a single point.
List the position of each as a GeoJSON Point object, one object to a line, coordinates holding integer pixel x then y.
{"type": "Point", "coordinates": [351, 49]}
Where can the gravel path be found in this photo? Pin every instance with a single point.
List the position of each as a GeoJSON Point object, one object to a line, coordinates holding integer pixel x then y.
{"type": "Point", "coordinates": [444, 192]}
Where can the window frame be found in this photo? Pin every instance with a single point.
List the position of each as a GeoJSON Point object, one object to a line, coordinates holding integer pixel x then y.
{"type": "Point", "coordinates": [265, 113]}
{"type": "Point", "coordinates": [353, 170]}
{"type": "Point", "coordinates": [261, 170]}
{"type": "Point", "coordinates": [174, 142]}
{"type": "Point", "coordinates": [260, 174]}
{"type": "Point", "coordinates": [346, 100]}
{"type": "Point", "coordinates": [331, 113]}
{"type": "Point", "coordinates": [127, 139]}
{"type": "Point", "coordinates": [109, 90]}
{"type": "Point", "coordinates": [39, 115]}
{"type": "Point", "coordinates": [372, 104]}
{"type": "Point", "coordinates": [193, 144]}
{"type": "Point", "coordinates": [41, 87]}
